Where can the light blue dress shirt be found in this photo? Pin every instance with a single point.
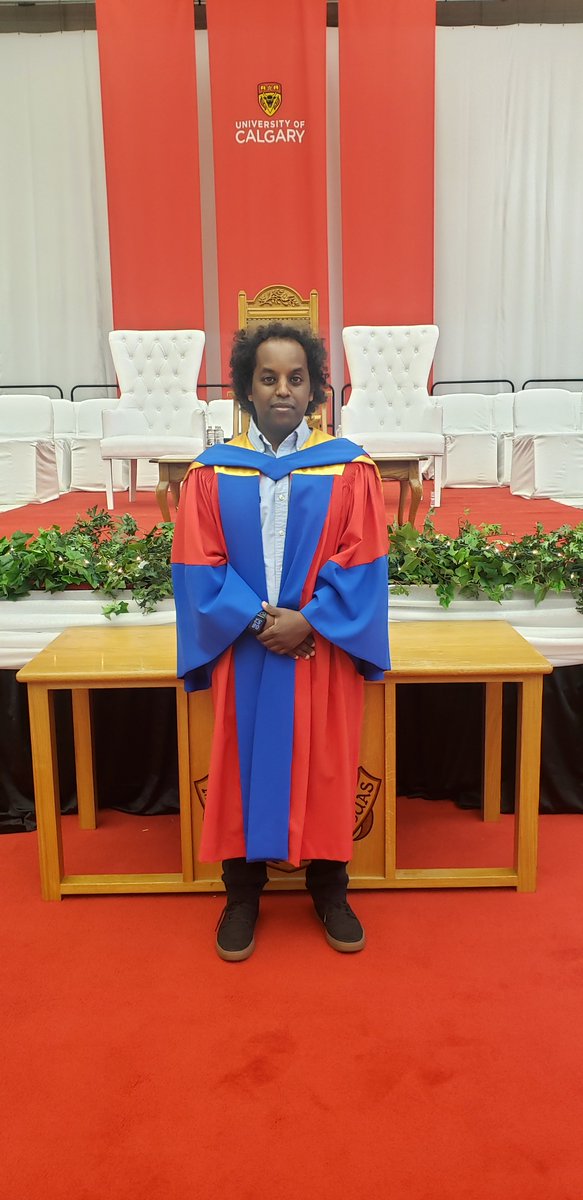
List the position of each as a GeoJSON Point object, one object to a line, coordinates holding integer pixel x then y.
{"type": "Point", "coordinates": [274, 503]}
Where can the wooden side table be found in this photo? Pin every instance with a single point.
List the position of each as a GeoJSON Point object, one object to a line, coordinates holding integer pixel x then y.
{"type": "Point", "coordinates": [80, 660]}
{"type": "Point", "coordinates": [171, 471]}
{"type": "Point", "coordinates": [406, 470]}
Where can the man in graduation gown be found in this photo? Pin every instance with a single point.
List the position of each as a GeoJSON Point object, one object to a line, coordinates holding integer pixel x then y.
{"type": "Point", "coordinates": [280, 580]}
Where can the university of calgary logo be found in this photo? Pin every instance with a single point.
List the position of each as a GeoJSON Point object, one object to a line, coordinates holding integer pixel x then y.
{"type": "Point", "coordinates": [270, 97]}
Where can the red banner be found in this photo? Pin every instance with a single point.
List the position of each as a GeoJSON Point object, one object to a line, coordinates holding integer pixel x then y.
{"type": "Point", "coordinates": [268, 88]}
{"type": "Point", "coordinates": [148, 95]}
{"type": "Point", "coordinates": [387, 81]}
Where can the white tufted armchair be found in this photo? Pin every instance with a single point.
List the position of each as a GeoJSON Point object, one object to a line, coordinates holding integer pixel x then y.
{"type": "Point", "coordinates": [158, 412]}
{"type": "Point", "coordinates": [390, 412]}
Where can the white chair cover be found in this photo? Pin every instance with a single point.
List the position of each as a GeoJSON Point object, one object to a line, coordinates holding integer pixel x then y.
{"type": "Point", "coordinates": [220, 412]}
{"type": "Point", "coordinates": [471, 442]}
{"type": "Point", "coordinates": [504, 426]}
{"type": "Point", "coordinates": [547, 454]}
{"type": "Point", "coordinates": [28, 461]}
{"type": "Point", "coordinates": [64, 431]}
{"type": "Point", "coordinates": [88, 471]}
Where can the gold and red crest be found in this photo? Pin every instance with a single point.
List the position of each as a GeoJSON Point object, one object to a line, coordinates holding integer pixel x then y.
{"type": "Point", "coordinates": [367, 790]}
{"type": "Point", "coordinates": [270, 97]}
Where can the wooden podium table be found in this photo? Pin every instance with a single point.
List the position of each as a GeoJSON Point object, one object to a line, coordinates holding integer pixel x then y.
{"type": "Point", "coordinates": [487, 652]}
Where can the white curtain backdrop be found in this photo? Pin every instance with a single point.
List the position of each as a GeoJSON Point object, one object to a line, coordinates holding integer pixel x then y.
{"type": "Point", "coordinates": [509, 202]}
{"type": "Point", "coordinates": [55, 288]}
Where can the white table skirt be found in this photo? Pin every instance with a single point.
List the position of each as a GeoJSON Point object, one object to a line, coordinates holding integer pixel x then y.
{"type": "Point", "coordinates": [28, 625]}
{"type": "Point", "coordinates": [554, 627]}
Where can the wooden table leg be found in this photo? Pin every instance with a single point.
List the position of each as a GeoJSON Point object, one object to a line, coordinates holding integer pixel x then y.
{"type": "Point", "coordinates": [492, 752]}
{"type": "Point", "coordinates": [84, 757]}
{"type": "Point", "coordinates": [46, 790]}
{"type": "Point", "coordinates": [133, 478]}
{"type": "Point", "coordinates": [184, 786]}
{"type": "Point", "coordinates": [175, 492]}
{"type": "Point", "coordinates": [403, 492]}
{"type": "Point", "coordinates": [390, 779]}
{"type": "Point", "coordinates": [162, 496]}
{"type": "Point", "coordinates": [416, 490]}
{"type": "Point", "coordinates": [527, 781]}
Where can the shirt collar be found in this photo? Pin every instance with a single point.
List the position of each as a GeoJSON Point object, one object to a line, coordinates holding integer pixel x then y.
{"type": "Point", "coordinates": [295, 440]}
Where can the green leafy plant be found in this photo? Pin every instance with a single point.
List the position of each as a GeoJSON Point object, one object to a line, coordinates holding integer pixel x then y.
{"type": "Point", "coordinates": [100, 552]}
{"type": "Point", "coordinates": [106, 554]}
{"type": "Point", "coordinates": [480, 562]}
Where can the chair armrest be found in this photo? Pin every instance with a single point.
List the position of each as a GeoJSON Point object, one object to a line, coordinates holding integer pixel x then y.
{"type": "Point", "coordinates": [197, 424]}
{"type": "Point", "coordinates": [431, 419]}
{"type": "Point", "coordinates": [351, 425]}
{"type": "Point", "coordinates": [221, 412]}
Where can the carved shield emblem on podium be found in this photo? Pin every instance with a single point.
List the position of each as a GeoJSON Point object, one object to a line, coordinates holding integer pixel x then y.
{"type": "Point", "coordinates": [367, 790]}
{"type": "Point", "coordinates": [270, 97]}
{"type": "Point", "coordinates": [200, 787]}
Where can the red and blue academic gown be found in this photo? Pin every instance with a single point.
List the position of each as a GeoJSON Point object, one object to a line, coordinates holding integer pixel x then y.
{"type": "Point", "coordinates": [284, 756]}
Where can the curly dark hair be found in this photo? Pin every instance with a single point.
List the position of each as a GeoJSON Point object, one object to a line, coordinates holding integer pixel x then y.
{"type": "Point", "coordinates": [244, 357]}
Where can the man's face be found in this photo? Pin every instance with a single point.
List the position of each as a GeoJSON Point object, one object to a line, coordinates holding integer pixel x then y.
{"type": "Point", "coordinates": [280, 389]}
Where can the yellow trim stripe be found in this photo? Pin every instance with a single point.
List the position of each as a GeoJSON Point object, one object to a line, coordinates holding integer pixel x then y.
{"type": "Point", "coordinates": [330, 469]}
{"type": "Point", "coordinates": [316, 438]}
{"type": "Point", "coordinates": [242, 441]}
{"type": "Point", "coordinates": [235, 471]}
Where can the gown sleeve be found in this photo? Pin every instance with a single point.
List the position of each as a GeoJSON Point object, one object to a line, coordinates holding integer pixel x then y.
{"type": "Point", "coordinates": [350, 602]}
{"type": "Point", "coordinates": [214, 604]}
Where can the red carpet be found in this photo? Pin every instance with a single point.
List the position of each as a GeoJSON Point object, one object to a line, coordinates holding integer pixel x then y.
{"type": "Point", "coordinates": [517, 516]}
{"type": "Point", "coordinates": [444, 1062]}
{"type": "Point", "coordinates": [64, 511]}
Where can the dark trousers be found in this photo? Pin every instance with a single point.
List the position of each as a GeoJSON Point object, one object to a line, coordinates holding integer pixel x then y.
{"type": "Point", "coordinates": [326, 879]}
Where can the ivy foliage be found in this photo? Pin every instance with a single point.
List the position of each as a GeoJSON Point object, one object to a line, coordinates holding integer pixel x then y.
{"type": "Point", "coordinates": [479, 562]}
{"type": "Point", "coordinates": [100, 552]}
{"type": "Point", "coordinates": [105, 553]}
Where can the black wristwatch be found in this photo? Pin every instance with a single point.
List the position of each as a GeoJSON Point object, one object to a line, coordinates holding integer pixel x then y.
{"type": "Point", "coordinates": [257, 625]}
